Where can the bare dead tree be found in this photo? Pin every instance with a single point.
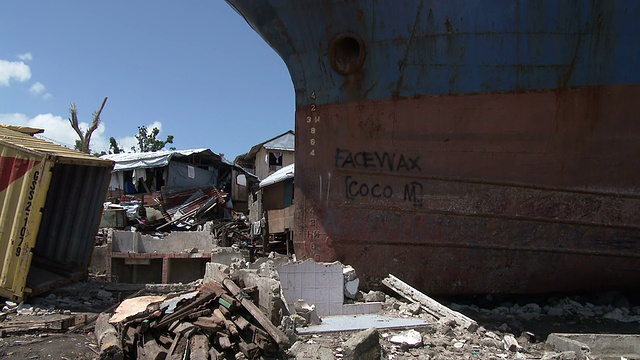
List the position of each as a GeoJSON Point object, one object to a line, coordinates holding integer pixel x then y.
{"type": "Point", "coordinates": [85, 138]}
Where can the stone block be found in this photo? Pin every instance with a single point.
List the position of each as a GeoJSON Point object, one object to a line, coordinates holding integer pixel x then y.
{"type": "Point", "coordinates": [364, 345]}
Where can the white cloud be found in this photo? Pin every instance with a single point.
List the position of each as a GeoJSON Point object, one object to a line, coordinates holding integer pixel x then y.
{"type": "Point", "coordinates": [25, 57]}
{"type": "Point", "coordinates": [13, 70]}
{"type": "Point", "coordinates": [37, 88]}
{"type": "Point", "coordinates": [58, 129]}
{"type": "Point", "coordinates": [127, 142]}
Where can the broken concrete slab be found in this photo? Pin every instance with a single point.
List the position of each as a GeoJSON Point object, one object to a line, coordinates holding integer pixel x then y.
{"type": "Point", "coordinates": [602, 346]}
{"type": "Point", "coordinates": [351, 282]}
{"type": "Point", "coordinates": [364, 345]}
{"type": "Point", "coordinates": [310, 351]}
{"type": "Point", "coordinates": [360, 322]}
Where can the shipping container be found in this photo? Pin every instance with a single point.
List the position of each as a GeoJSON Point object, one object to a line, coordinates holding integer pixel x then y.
{"type": "Point", "coordinates": [50, 208]}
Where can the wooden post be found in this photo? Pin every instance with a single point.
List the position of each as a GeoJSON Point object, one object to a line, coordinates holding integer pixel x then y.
{"type": "Point", "coordinates": [107, 337]}
{"type": "Point", "coordinates": [441, 312]}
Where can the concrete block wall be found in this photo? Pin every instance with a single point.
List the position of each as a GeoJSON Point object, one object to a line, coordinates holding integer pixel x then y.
{"type": "Point", "coordinates": [178, 257]}
{"type": "Point", "coordinates": [322, 285]}
{"type": "Point", "coordinates": [176, 242]}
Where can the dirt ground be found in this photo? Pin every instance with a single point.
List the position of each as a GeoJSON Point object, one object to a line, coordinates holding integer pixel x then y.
{"type": "Point", "coordinates": [49, 346]}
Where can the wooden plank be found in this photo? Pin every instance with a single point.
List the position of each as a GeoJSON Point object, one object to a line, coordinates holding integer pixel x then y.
{"type": "Point", "coordinates": [223, 341]}
{"type": "Point", "coordinates": [208, 323]}
{"type": "Point", "coordinates": [199, 349]}
{"type": "Point", "coordinates": [277, 334]}
{"type": "Point", "coordinates": [280, 220]}
{"type": "Point", "coordinates": [148, 349]}
{"type": "Point", "coordinates": [431, 306]}
{"type": "Point", "coordinates": [228, 324]}
{"type": "Point", "coordinates": [248, 349]}
{"type": "Point", "coordinates": [241, 322]}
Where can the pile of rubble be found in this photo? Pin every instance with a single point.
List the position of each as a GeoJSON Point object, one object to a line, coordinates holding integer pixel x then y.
{"type": "Point", "coordinates": [191, 209]}
{"type": "Point", "coordinates": [276, 309]}
{"type": "Point", "coordinates": [216, 321]}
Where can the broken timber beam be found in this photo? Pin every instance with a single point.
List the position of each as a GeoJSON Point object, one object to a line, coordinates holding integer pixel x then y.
{"type": "Point", "coordinates": [441, 312]}
{"type": "Point", "coordinates": [278, 335]}
{"type": "Point", "coordinates": [108, 341]}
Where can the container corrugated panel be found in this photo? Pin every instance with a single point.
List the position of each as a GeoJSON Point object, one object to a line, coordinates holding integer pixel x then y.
{"type": "Point", "coordinates": [51, 202]}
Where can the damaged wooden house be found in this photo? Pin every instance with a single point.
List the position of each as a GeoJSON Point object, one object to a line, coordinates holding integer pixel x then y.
{"type": "Point", "coordinates": [157, 175]}
{"type": "Point", "coordinates": [270, 200]}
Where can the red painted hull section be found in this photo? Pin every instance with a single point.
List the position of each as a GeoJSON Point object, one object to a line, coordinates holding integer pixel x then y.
{"type": "Point", "coordinates": [488, 193]}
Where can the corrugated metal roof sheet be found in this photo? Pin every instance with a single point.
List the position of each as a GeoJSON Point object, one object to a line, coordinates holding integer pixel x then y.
{"type": "Point", "coordinates": [130, 161]}
{"type": "Point", "coordinates": [285, 173]}
{"type": "Point", "coordinates": [285, 142]}
{"type": "Point", "coordinates": [17, 138]}
{"type": "Point", "coordinates": [288, 144]}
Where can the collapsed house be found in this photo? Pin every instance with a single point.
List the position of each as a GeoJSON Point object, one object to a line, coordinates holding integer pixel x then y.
{"type": "Point", "coordinates": [169, 191]}
{"type": "Point", "coordinates": [163, 193]}
{"type": "Point", "coordinates": [147, 174]}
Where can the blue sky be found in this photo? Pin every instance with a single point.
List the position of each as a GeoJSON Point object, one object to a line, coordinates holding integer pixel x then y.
{"type": "Point", "coordinates": [194, 69]}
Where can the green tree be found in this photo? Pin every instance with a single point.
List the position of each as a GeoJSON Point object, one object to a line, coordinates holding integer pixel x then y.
{"type": "Point", "coordinates": [85, 137]}
{"type": "Point", "coordinates": [148, 141]}
{"type": "Point", "coordinates": [113, 146]}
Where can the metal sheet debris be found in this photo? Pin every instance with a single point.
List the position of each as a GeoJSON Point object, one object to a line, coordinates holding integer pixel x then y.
{"type": "Point", "coordinates": [133, 306]}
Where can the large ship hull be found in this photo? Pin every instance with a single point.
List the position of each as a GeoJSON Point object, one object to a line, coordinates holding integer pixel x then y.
{"type": "Point", "coordinates": [491, 147]}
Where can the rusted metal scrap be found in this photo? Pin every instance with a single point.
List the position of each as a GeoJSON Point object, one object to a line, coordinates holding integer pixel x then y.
{"type": "Point", "coordinates": [215, 321]}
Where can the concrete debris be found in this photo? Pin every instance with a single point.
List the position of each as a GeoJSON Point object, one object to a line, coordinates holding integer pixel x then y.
{"type": "Point", "coordinates": [307, 311]}
{"type": "Point", "coordinates": [511, 344]}
{"type": "Point", "coordinates": [620, 315]}
{"type": "Point", "coordinates": [351, 282]}
{"type": "Point", "coordinates": [589, 346]}
{"type": "Point", "coordinates": [193, 320]}
{"type": "Point", "coordinates": [104, 295]}
{"type": "Point", "coordinates": [310, 351]}
{"type": "Point", "coordinates": [564, 307]}
{"type": "Point", "coordinates": [411, 338]}
{"type": "Point", "coordinates": [374, 296]}
{"type": "Point", "coordinates": [364, 345]}
{"type": "Point", "coordinates": [351, 288]}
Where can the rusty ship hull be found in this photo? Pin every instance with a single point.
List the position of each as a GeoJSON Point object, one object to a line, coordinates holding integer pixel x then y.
{"type": "Point", "coordinates": [465, 147]}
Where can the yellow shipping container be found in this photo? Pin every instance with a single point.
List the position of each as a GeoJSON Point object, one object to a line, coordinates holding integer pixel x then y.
{"type": "Point", "coordinates": [50, 206]}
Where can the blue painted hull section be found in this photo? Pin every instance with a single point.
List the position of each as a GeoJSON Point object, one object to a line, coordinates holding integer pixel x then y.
{"type": "Point", "coordinates": [416, 48]}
